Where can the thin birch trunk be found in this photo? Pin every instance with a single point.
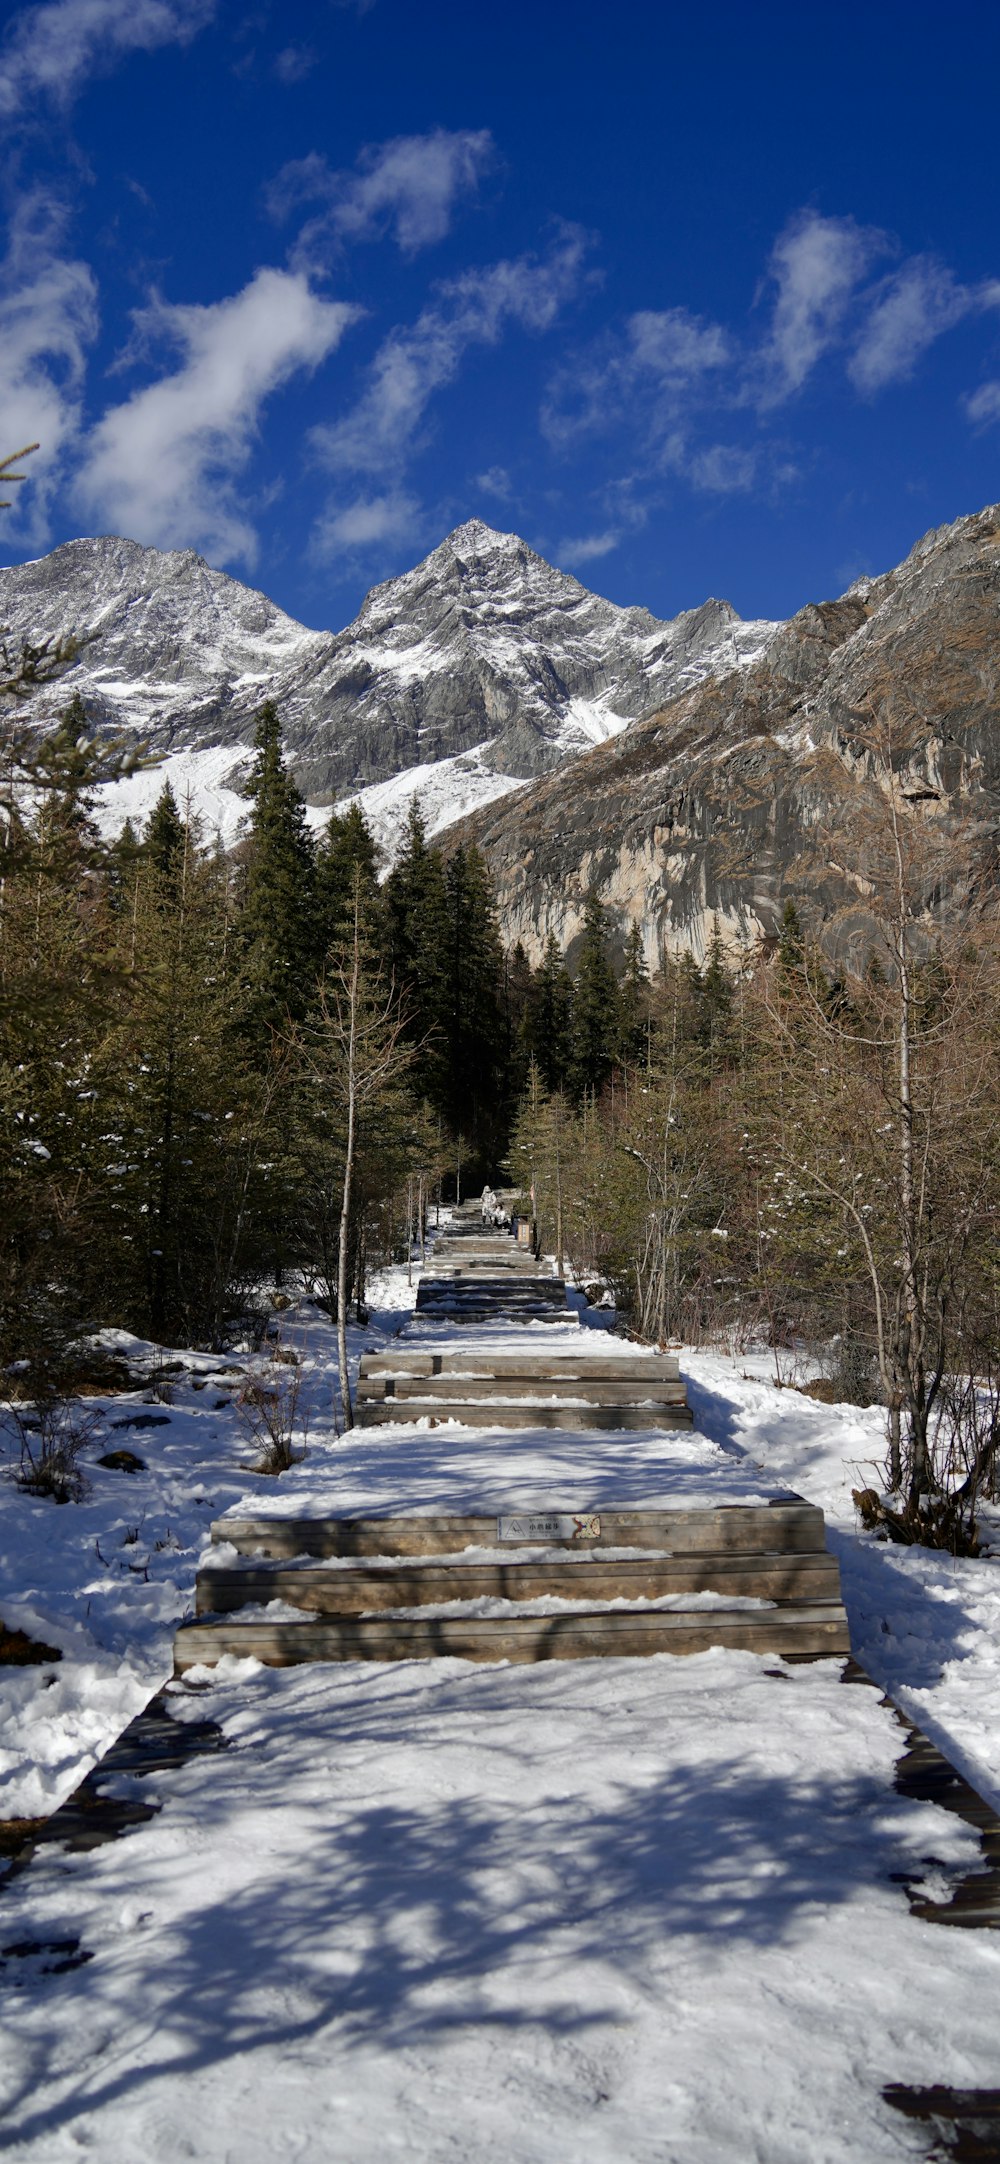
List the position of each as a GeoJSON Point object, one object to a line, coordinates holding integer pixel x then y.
{"type": "Point", "coordinates": [345, 1207]}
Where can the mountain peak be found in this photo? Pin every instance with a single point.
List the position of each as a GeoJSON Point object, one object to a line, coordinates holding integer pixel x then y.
{"type": "Point", "coordinates": [474, 533]}
{"type": "Point", "coordinates": [479, 669]}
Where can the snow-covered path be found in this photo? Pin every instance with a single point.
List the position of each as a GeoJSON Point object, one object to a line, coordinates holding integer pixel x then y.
{"type": "Point", "coordinates": [608, 1910]}
{"type": "Point", "coordinates": [619, 1911]}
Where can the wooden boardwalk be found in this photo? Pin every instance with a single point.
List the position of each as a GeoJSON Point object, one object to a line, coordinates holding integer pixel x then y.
{"type": "Point", "coordinates": [529, 1586]}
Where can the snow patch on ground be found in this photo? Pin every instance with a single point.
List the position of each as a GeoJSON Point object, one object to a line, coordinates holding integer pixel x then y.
{"type": "Point", "coordinates": [209, 781]}
{"type": "Point", "coordinates": [107, 1580]}
{"type": "Point", "coordinates": [924, 1624]}
{"type": "Point", "coordinates": [648, 1911]}
{"type": "Point", "coordinates": [206, 780]}
{"type": "Point", "coordinates": [446, 789]}
{"type": "Point", "coordinates": [592, 1911]}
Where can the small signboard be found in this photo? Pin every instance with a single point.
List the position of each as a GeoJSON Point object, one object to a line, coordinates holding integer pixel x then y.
{"type": "Point", "coordinates": [549, 1525]}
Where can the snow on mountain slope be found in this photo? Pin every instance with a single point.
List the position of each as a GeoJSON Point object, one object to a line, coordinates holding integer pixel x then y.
{"type": "Point", "coordinates": [480, 668]}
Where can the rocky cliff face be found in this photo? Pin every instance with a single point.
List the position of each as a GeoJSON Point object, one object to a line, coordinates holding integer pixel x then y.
{"type": "Point", "coordinates": [484, 654]}
{"type": "Point", "coordinates": [690, 770]}
{"type": "Point", "coordinates": [731, 798]}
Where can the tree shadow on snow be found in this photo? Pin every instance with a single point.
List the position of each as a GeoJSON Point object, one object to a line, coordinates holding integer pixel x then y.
{"type": "Point", "coordinates": [714, 1415]}
{"type": "Point", "coordinates": [389, 1922]}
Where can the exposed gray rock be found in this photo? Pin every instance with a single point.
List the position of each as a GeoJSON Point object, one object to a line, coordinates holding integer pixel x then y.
{"type": "Point", "coordinates": [483, 646]}
{"type": "Point", "coordinates": [743, 791]}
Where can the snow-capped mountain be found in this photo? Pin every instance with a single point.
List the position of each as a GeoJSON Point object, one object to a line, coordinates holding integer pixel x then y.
{"type": "Point", "coordinates": [761, 787]}
{"type": "Point", "coordinates": [479, 670]}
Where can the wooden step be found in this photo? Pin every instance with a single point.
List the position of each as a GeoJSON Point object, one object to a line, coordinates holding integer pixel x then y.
{"type": "Point", "coordinates": [485, 1413]}
{"type": "Point", "coordinates": [498, 1361]}
{"type": "Point", "coordinates": [519, 1275]}
{"type": "Point", "coordinates": [525, 1300]}
{"type": "Point", "coordinates": [449, 1312]}
{"type": "Point", "coordinates": [466, 1254]}
{"type": "Point", "coordinates": [511, 1289]}
{"type": "Point", "coordinates": [582, 1389]}
{"type": "Point", "coordinates": [785, 1525]}
{"type": "Point", "coordinates": [804, 1633]}
{"type": "Point", "coordinates": [477, 1286]}
{"type": "Point", "coordinates": [517, 1299]}
{"type": "Point", "coordinates": [339, 1590]}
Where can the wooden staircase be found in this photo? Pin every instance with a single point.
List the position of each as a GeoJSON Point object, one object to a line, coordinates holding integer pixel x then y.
{"type": "Point", "coordinates": [528, 1586]}
{"type": "Point", "coordinates": [479, 1276]}
{"type": "Point", "coordinates": [595, 1387]}
{"type": "Point", "coordinates": [362, 1584]}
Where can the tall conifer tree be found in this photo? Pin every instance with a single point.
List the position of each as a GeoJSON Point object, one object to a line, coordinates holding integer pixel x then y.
{"type": "Point", "coordinates": [595, 1004]}
{"type": "Point", "coordinates": [278, 924]}
{"type": "Point", "coordinates": [548, 1018]}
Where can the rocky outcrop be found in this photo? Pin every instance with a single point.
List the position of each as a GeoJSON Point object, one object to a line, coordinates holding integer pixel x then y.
{"type": "Point", "coordinates": [746, 790]}
{"type": "Point", "coordinates": [484, 649]}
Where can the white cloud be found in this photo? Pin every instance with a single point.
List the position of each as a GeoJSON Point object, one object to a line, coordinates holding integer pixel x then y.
{"type": "Point", "coordinates": [587, 548]}
{"type": "Point", "coordinates": [983, 406]}
{"type": "Point", "coordinates": [496, 482]}
{"type": "Point", "coordinates": [412, 364]}
{"type": "Point", "coordinates": [365, 523]}
{"type": "Point", "coordinates": [817, 264]}
{"type": "Point", "coordinates": [644, 375]}
{"type": "Point", "coordinates": [723, 469]}
{"type": "Point", "coordinates": [912, 309]}
{"type": "Point", "coordinates": [409, 187]}
{"type": "Point", "coordinates": [294, 63]}
{"type": "Point", "coordinates": [48, 318]}
{"type": "Point", "coordinates": [50, 50]}
{"type": "Point", "coordinates": [162, 467]}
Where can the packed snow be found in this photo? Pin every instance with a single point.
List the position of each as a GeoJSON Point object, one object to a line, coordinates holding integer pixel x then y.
{"type": "Point", "coordinates": [204, 783]}
{"type": "Point", "coordinates": [445, 789]}
{"type": "Point", "coordinates": [643, 1910]}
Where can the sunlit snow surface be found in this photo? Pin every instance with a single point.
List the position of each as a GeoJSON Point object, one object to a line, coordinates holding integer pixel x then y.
{"type": "Point", "coordinates": [208, 783]}
{"type": "Point", "coordinates": [483, 638]}
{"type": "Point", "coordinates": [628, 1911]}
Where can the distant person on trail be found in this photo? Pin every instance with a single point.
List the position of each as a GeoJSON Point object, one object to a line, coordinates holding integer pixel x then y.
{"type": "Point", "coordinates": [488, 1205]}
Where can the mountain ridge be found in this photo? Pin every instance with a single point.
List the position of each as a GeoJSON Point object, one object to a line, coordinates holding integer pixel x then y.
{"type": "Point", "coordinates": [720, 807]}
{"type": "Point", "coordinates": [472, 673]}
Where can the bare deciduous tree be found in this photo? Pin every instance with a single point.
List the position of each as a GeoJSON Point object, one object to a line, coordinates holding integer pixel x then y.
{"type": "Point", "coordinates": [355, 1049]}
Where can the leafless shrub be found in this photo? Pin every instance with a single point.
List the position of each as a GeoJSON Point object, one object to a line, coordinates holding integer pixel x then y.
{"type": "Point", "coordinates": [273, 1410]}
{"type": "Point", "coordinates": [49, 1435]}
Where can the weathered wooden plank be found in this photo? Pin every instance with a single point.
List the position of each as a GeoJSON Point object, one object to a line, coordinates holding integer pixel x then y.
{"type": "Point", "coordinates": [490, 1300]}
{"type": "Point", "coordinates": [744, 1528]}
{"type": "Point", "coordinates": [482, 1413]}
{"type": "Point", "coordinates": [485, 1291]}
{"type": "Point", "coordinates": [507, 1282]}
{"type": "Point", "coordinates": [491, 1360]}
{"type": "Point", "coordinates": [807, 1632]}
{"type": "Point", "coordinates": [474, 1273]}
{"type": "Point", "coordinates": [583, 1389]}
{"type": "Point", "coordinates": [332, 1590]}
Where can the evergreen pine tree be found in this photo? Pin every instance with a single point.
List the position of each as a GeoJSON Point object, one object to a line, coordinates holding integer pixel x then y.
{"type": "Point", "coordinates": [716, 1001]}
{"type": "Point", "coordinates": [193, 1192]}
{"type": "Point", "coordinates": [419, 947]}
{"type": "Point", "coordinates": [120, 867]}
{"type": "Point", "coordinates": [790, 946]}
{"type": "Point", "coordinates": [634, 1004]}
{"type": "Point", "coordinates": [164, 840]}
{"type": "Point", "coordinates": [56, 993]}
{"type": "Point", "coordinates": [278, 919]}
{"type": "Point", "coordinates": [472, 1019]}
{"type": "Point", "coordinates": [595, 1026]}
{"type": "Point", "coordinates": [516, 993]}
{"type": "Point", "coordinates": [547, 1017]}
{"type": "Point", "coordinates": [347, 850]}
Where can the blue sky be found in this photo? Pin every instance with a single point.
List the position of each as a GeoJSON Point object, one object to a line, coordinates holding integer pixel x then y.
{"type": "Point", "coordinates": [700, 300]}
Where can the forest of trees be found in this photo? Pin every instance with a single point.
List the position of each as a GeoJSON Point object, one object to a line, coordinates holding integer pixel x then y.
{"type": "Point", "coordinates": [219, 1069]}
{"type": "Point", "coordinates": [173, 1031]}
